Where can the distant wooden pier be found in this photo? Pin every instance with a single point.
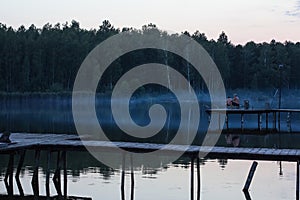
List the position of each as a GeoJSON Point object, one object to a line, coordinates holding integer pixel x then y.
{"type": "Point", "coordinates": [273, 113]}
{"type": "Point", "coordinates": [61, 143]}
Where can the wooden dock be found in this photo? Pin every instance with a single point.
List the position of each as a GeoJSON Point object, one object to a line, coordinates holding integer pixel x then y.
{"type": "Point", "coordinates": [273, 113]}
{"type": "Point", "coordinates": [61, 143]}
{"type": "Point", "coordinates": [64, 142]}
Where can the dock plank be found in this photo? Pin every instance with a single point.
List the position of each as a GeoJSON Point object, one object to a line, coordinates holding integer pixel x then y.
{"type": "Point", "coordinates": [54, 142]}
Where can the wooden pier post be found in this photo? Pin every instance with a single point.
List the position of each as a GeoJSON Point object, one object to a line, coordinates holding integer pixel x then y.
{"type": "Point", "coordinates": [274, 121]}
{"type": "Point", "coordinates": [288, 122]}
{"type": "Point", "coordinates": [259, 122]}
{"type": "Point", "coordinates": [219, 121]}
{"type": "Point", "coordinates": [267, 122]}
{"type": "Point", "coordinates": [123, 178]}
{"type": "Point", "coordinates": [250, 176]}
{"type": "Point", "coordinates": [17, 176]}
{"type": "Point", "coordinates": [56, 178]}
{"type": "Point", "coordinates": [297, 181]}
{"type": "Point", "coordinates": [242, 122]}
{"type": "Point", "coordinates": [279, 121]}
{"type": "Point", "coordinates": [132, 179]}
{"type": "Point", "coordinates": [247, 195]}
{"type": "Point", "coordinates": [48, 174]}
{"type": "Point", "coordinates": [192, 178]}
{"type": "Point", "coordinates": [35, 176]}
{"type": "Point", "coordinates": [8, 180]}
{"type": "Point", "coordinates": [64, 158]}
{"type": "Point", "coordinates": [226, 121]}
{"type": "Point", "coordinates": [198, 179]}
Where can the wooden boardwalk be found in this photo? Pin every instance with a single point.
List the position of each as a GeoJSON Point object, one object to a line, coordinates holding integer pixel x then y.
{"type": "Point", "coordinates": [61, 143]}
{"type": "Point", "coordinates": [274, 113]}
{"type": "Point", "coordinates": [64, 142]}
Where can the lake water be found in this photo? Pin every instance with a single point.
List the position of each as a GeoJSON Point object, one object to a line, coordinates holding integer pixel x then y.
{"type": "Point", "coordinates": [219, 179]}
{"type": "Point", "coordinates": [87, 177]}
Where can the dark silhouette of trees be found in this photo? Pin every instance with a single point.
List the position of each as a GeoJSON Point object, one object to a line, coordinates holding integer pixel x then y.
{"type": "Point", "coordinates": [47, 59]}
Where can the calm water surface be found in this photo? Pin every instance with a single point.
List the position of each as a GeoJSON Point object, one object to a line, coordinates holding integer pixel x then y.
{"type": "Point", "coordinates": [220, 179]}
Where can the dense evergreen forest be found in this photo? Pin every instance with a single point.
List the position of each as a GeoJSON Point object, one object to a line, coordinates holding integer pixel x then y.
{"type": "Point", "coordinates": [47, 59]}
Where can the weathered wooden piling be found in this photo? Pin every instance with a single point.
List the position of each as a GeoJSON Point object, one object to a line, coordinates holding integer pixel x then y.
{"type": "Point", "coordinates": [247, 195]}
{"type": "Point", "coordinates": [123, 178]}
{"type": "Point", "coordinates": [35, 176]}
{"type": "Point", "coordinates": [297, 180]}
{"type": "Point", "coordinates": [192, 178]}
{"type": "Point", "coordinates": [8, 179]}
{"type": "Point", "coordinates": [250, 176]}
{"type": "Point", "coordinates": [132, 179]}
{"type": "Point", "coordinates": [198, 179]}
{"type": "Point", "coordinates": [64, 158]}
{"type": "Point", "coordinates": [48, 174]}
{"type": "Point", "coordinates": [56, 177]}
{"type": "Point", "coordinates": [19, 167]}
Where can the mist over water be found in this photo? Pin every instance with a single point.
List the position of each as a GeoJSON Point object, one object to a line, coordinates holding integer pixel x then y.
{"type": "Point", "coordinates": [52, 113]}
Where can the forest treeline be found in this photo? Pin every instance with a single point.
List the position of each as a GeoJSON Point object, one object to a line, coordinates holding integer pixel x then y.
{"type": "Point", "coordinates": [47, 59]}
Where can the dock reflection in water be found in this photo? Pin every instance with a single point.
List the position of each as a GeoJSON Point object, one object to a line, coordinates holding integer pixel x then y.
{"type": "Point", "coordinates": [219, 178]}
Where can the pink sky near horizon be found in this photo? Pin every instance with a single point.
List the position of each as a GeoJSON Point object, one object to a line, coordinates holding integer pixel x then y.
{"type": "Point", "coordinates": [242, 21]}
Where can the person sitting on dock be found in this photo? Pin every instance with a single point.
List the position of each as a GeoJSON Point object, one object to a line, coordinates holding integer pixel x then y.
{"type": "Point", "coordinates": [229, 101]}
{"type": "Point", "coordinates": [5, 137]}
{"type": "Point", "coordinates": [236, 101]}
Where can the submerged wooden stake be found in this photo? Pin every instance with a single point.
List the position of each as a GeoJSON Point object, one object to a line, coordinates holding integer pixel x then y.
{"type": "Point", "coordinates": [250, 176]}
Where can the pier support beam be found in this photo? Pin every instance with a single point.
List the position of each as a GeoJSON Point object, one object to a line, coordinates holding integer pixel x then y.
{"type": "Point", "coordinates": [226, 122]}
{"type": "Point", "coordinates": [48, 174]}
{"type": "Point", "coordinates": [279, 121]}
{"type": "Point", "coordinates": [297, 180]}
{"type": "Point", "coordinates": [267, 122]}
{"type": "Point", "coordinates": [242, 122]}
{"type": "Point", "coordinates": [198, 179]}
{"type": "Point", "coordinates": [8, 180]}
{"type": "Point", "coordinates": [56, 178]}
{"type": "Point", "coordinates": [17, 176]}
{"type": "Point", "coordinates": [274, 121]}
{"type": "Point", "coordinates": [123, 179]}
{"type": "Point", "coordinates": [132, 179]}
{"type": "Point", "coordinates": [288, 122]}
{"type": "Point", "coordinates": [250, 176]}
{"type": "Point", "coordinates": [64, 158]}
{"type": "Point", "coordinates": [35, 176]}
{"type": "Point", "coordinates": [192, 178]}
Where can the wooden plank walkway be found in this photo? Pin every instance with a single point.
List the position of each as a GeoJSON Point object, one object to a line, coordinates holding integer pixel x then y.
{"type": "Point", "coordinates": [63, 142]}
{"type": "Point", "coordinates": [275, 113]}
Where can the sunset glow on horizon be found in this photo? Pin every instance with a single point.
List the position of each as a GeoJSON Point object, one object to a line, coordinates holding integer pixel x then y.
{"type": "Point", "coordinates": [242, 21]}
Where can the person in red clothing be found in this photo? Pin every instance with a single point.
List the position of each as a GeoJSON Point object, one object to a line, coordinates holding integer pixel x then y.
{"type": "Point", "coordinates": [236, 100]}
{"type": "Point", "coordinates": [229, 101]}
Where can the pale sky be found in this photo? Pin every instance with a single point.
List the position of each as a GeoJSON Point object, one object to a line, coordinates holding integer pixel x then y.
{"type": "Point", "coordinates": [242, 20]}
